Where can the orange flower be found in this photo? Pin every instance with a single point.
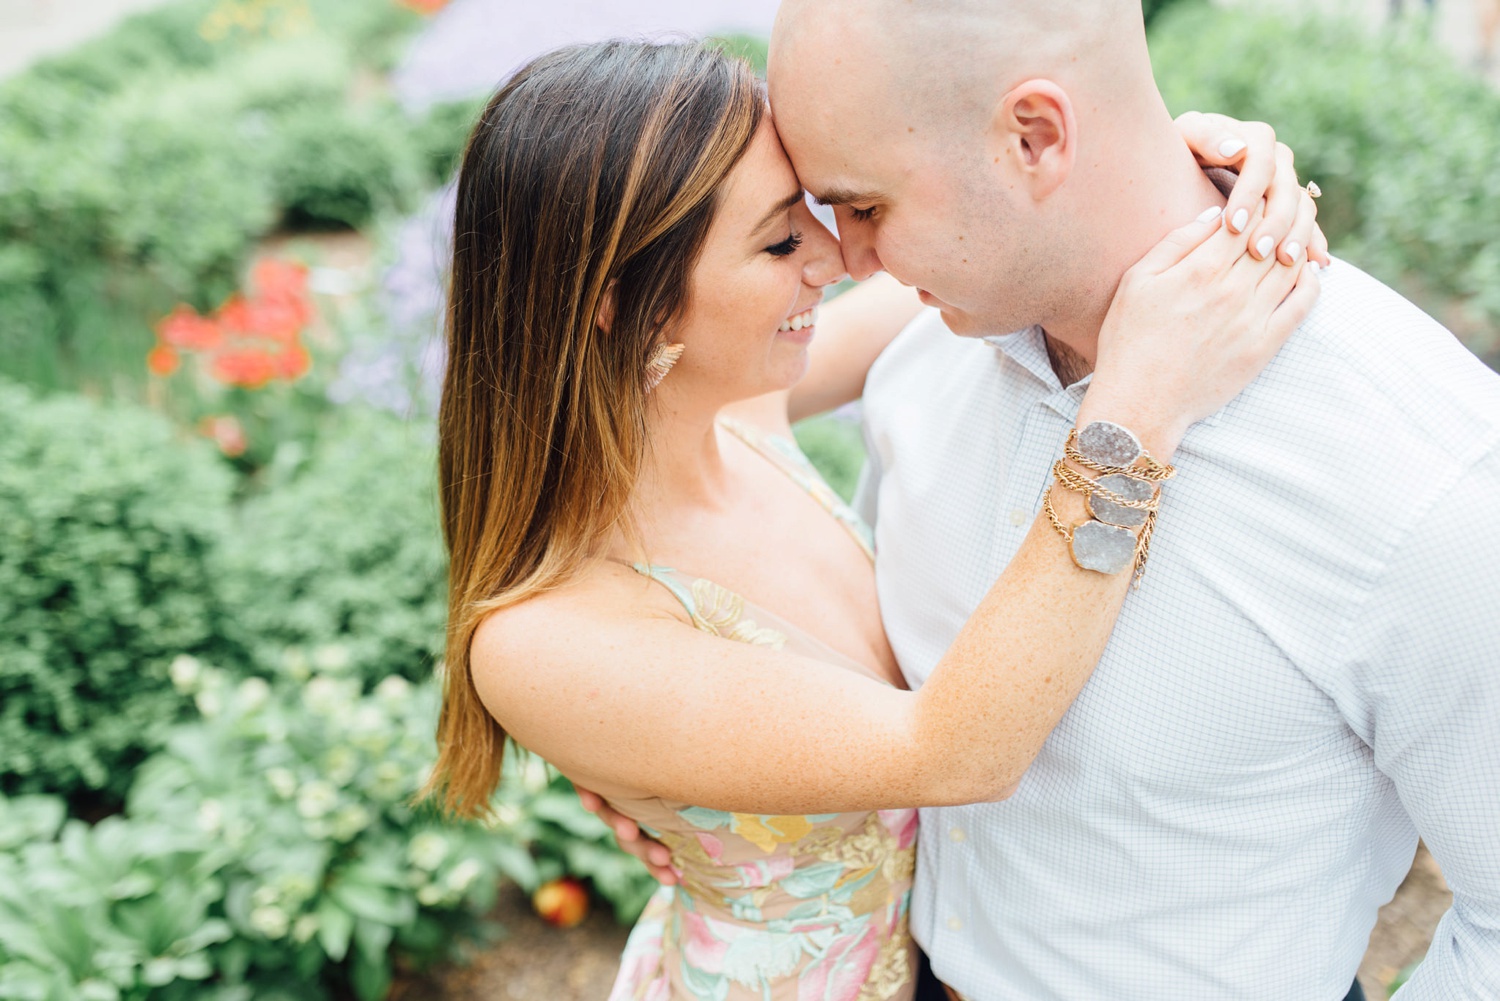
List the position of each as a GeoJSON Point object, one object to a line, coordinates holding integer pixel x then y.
{"type": "Point", "coordinates": [163, 360]}
{"type": "Point", "coordinates": [424, 6]}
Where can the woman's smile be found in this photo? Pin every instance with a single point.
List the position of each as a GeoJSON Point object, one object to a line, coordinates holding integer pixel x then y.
{"type": "Point", "coordinates": [799, 326]}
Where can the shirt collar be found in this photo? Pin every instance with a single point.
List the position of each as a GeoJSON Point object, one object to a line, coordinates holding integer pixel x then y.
{"type": "Point", "coordinates": [1028, 349]}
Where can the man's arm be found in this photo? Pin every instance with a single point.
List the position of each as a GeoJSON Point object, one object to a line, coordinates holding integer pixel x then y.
{"type": "Point", "coordinates": [1425, 693]}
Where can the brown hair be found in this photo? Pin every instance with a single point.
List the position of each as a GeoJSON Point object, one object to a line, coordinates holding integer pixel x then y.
{"type": "Point", "coordinates": [592, 173]}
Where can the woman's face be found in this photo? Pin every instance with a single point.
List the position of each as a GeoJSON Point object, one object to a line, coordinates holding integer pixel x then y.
{"type": "Point", "coordinates": [755, 289]}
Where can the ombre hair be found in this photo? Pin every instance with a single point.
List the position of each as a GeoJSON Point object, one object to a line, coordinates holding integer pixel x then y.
{"type": "Point", "coordinates": [591, 176]}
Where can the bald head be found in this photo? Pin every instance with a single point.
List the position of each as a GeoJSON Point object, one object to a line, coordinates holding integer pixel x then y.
{"type": "Point", "coordinates": [980, 147]}
{"type": "Point", "coordinates": [948, 57]}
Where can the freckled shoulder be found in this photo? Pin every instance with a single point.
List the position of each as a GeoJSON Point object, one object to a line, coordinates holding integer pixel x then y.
{"type": "Point", "coordinates": [598, 606]}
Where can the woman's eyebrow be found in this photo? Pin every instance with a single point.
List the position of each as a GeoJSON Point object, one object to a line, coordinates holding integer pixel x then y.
{"type": "Point", "coordinates": [777, 209]}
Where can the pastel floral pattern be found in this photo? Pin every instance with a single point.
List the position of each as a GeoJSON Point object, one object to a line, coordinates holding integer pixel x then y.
{"type": "Point", "coordinates": [772, 908]}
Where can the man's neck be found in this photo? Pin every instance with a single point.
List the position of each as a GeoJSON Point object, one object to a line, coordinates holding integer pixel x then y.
{"type": "Point", "coordinates": [1068, 365]}
{"type": "Point", "coordinates": [1152, 187]}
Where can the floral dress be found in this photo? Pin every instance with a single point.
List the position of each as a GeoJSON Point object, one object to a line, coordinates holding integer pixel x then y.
{"type": "Point", "coordinates": [772, 908]}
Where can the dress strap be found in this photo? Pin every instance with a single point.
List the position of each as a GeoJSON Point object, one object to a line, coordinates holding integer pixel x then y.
{"type": "Point", "coordinates": [668, 578]}
{"type": "Point", "coordinates": [783, 453]}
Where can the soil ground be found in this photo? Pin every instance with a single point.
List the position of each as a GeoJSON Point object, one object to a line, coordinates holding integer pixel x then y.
{"type": "Point", "coordinates": [536, 962]}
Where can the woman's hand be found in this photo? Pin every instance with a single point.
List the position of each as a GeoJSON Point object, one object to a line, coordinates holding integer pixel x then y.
{"type": "Point", "coordinates": [1191, 325]}
{"type": "Point", "coordinates": [1266, 174]}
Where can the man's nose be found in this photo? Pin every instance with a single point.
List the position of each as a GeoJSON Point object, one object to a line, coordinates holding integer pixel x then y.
{"type": "Point", "coordinates": [860, 259]}
{"type": "Point", "coordinates": [824, 262]}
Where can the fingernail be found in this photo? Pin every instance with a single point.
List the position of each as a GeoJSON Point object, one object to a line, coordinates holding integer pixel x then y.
{"type": "Point", "coordinates": [1229, 147]}
{"type": "Point", "coordinates": [1263, 246]}
{"type": "Point", "coordinates": [1293, 249]}
{"type": "Point", "coordinates": [1240, 221]}
{"type": "Point", "coordinates": [1316, 267]}
{"type": "Point", "coordinates": [1211, 214]}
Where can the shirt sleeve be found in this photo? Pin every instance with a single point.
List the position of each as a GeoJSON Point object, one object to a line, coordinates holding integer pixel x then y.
{"type": "Point", "coordinates": [1424, 693]}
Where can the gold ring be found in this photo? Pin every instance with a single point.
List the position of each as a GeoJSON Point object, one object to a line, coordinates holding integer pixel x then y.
{"type": "Point", "coordinates": [1312, 189]}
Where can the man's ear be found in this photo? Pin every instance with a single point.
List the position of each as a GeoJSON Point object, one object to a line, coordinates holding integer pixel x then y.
{"type": "Point", "coordinates": [1035, 130]}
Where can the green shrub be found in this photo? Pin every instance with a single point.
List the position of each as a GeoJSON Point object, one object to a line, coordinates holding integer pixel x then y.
{"type": "Point", "coordinates": [340, 169]}
{"type": "Point", "coordinates": [339, 553]}
{"type": "Point", "coordinates": [108, 519]}
{"type": "Point", "coordinates": [269, 844]}
{"type": "Point", "coordinates": [442, 134]}
{"type": "Point", "coordinates": [138, 172]}
{"type": "Point", "coordinates": [835, 446]}
{"type": "Point", "coordinates": [1402, 141]}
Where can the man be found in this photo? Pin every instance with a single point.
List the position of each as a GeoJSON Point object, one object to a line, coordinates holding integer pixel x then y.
{"type": "Point", "coordinates": [1309, 676]}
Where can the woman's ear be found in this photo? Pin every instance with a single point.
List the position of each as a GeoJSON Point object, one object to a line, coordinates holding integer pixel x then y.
{"type": "Point", "coordinates": [1035, 127]}
{"type": "Point", "coordinates": [604, 319]}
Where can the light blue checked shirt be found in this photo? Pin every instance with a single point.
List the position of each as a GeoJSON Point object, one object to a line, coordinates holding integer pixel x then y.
{"type": "Point", "coordinates": [1308, 678]}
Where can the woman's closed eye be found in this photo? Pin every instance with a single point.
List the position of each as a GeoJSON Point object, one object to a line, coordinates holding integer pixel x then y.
{"type": "Point", "coordinates": [786, 247]}
{"type": "Point", "coordinates": [861, 215]}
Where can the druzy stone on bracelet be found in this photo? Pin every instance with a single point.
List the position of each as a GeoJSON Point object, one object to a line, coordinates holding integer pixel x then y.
{"type": "Point", "coordinates": [1109, 444]}
{"type": "Point", "coordinates": [1103, 548]}
{"type": "Point", "coordinates": [1124, 486]}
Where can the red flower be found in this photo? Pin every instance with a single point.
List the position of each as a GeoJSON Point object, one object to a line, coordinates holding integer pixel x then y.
{"type": "Point", "coordinates": [163, 360]}
{"type": "Point", "coordinates": [424, 6]}
{"type": "Point", "coordinates": [251, 339]}
{"type": "Point", "coordinates": [293, 363]}
{"type": "Point", "coordinates": [184, 328]}
{"type": "Point", "coordinates": [251, 369]}
{"type": "Point", "coordinates": [227, 433]}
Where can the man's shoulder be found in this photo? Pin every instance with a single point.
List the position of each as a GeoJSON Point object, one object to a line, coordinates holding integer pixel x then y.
{"type": "Point", "coordinates": [1366, 351]}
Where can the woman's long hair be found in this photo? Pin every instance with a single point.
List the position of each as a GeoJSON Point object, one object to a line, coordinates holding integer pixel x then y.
{"type": "Point", "coordinates": [591, 177]}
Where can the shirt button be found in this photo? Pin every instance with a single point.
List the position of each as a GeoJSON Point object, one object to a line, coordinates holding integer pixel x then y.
{"type": "Point", "coordinates": [957, 835]}
{"type": "Point", "coordinates": [1018, 517]}
{"type": "Point", "coordinates": [954, 924]}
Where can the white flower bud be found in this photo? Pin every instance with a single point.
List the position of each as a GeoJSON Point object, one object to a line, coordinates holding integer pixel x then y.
{"type": "Point", "coordinates": [185, 672]}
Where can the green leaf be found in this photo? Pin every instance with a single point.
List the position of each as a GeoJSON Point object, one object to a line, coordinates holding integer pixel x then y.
{"type": "Point", "coordinates": [371, 977]}
{"type": "Point", "coordinates": [335, 925]}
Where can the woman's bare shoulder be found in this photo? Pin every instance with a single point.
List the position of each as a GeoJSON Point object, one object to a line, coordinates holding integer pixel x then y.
{"type": "Point", "coordinates": [597, 606]}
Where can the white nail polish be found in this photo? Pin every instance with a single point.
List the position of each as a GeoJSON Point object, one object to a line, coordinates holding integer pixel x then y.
{"type": "Point", "coordinates": [1315, 267]}
{"type": "Point", "coordinates": [1240, 221]}
{"type": "Point", "coordinates": [1293, 249]}
{"type": "Point", "coordinates": [1211, 214]}
{"type": "Point", "coordinates": [1230, 147]}
{"type": "Point", "coordinates": [1264, 246]}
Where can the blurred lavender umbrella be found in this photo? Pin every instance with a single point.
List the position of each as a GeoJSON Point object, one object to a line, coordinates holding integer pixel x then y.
{"type": "Point", "coordinates": [474, 44]}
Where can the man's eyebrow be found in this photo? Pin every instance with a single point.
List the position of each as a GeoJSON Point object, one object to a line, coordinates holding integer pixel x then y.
{"type": "Point", "coordinates": [844, 196]}
{"type": "Point", "coordinates": [777, 209]}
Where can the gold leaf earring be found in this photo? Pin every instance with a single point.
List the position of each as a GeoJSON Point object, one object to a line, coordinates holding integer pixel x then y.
{"type": "Point", "coordinates": [661, 362]}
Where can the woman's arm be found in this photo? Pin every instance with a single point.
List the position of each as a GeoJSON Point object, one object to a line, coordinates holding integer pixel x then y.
{"type": "Point", "coordinates": [612, 685]}
{"type": "Point", "coordinates": [855, 327]}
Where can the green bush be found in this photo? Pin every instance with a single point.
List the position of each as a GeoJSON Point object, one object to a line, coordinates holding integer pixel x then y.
{"type": "Point", "coordinates": [139, 171]}
{"type": "Point", "coordinates": [1402, 141]}
{"type": "Point", "coordinates": [270, 843]}
{"type": "Point", "coordinates": [835, 446]}
{"type": "Point", "coordinates": [108, 521]}
{"type": "Point", "coordinates": [339, 553]}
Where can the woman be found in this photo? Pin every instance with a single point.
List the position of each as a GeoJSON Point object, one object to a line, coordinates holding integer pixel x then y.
{"type": "Point", "coordinates": [625, 207]}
